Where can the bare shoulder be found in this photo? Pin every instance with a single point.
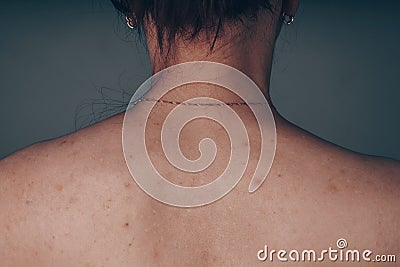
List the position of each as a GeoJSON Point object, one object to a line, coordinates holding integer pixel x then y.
{"type": "Point", "coordinates": [346, 194]}
{"type": "Point", "coordinates": [369, 187]}
{"type": "Point", "coordinates": [379, 175]}
{"type": "Point", "coordinates": [378, 179]}
{"type": "Point", "coordinates": [79, 151]}
{"type": "Point", "coordinates": [52, 193]}
{"type": "Point", "coordinates": [374, 177]}
{"type": "Point", "coordinates": [372, 187]}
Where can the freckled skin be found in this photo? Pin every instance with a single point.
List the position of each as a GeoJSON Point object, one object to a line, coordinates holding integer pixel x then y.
{"type": "Point", "coordinates": [58, 187]}
{"type": "Point", "coordinates": [71, 202]}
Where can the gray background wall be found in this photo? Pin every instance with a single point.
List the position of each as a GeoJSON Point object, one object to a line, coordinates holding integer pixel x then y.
{"type": "Point", "coordinates": [335, 74]}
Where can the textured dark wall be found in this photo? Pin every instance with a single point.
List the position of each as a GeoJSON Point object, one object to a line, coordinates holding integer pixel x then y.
{"type": "Point", "coordinates": [335, 74]}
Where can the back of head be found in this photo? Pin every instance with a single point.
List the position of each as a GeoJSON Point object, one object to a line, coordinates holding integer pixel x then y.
{"type": "Point", "coordinates": [179, 18]}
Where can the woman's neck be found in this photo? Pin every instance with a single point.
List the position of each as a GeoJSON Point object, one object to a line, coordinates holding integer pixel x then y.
{"type": "Point", "coordinates": [247, 47]}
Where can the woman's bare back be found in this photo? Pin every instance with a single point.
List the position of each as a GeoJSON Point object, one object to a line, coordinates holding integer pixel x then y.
{"type": "Point", "coordinates": [72, 201]}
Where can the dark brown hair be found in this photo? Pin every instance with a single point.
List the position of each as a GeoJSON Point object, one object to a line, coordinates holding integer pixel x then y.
{"type": "Point", "coordinates": [189, 17]}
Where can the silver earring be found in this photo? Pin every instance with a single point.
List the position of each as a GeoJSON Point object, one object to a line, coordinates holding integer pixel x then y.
{"type": "Point", "coordinates": [131, 22]}
{"type": "Point", "coordinates": [287, 19]}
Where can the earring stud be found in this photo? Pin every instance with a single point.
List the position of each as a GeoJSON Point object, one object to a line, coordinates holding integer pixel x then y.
{"type": "Point", "coordinates": [131, 22]}
{"type": "Point", "coordinates": [287, 19]}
